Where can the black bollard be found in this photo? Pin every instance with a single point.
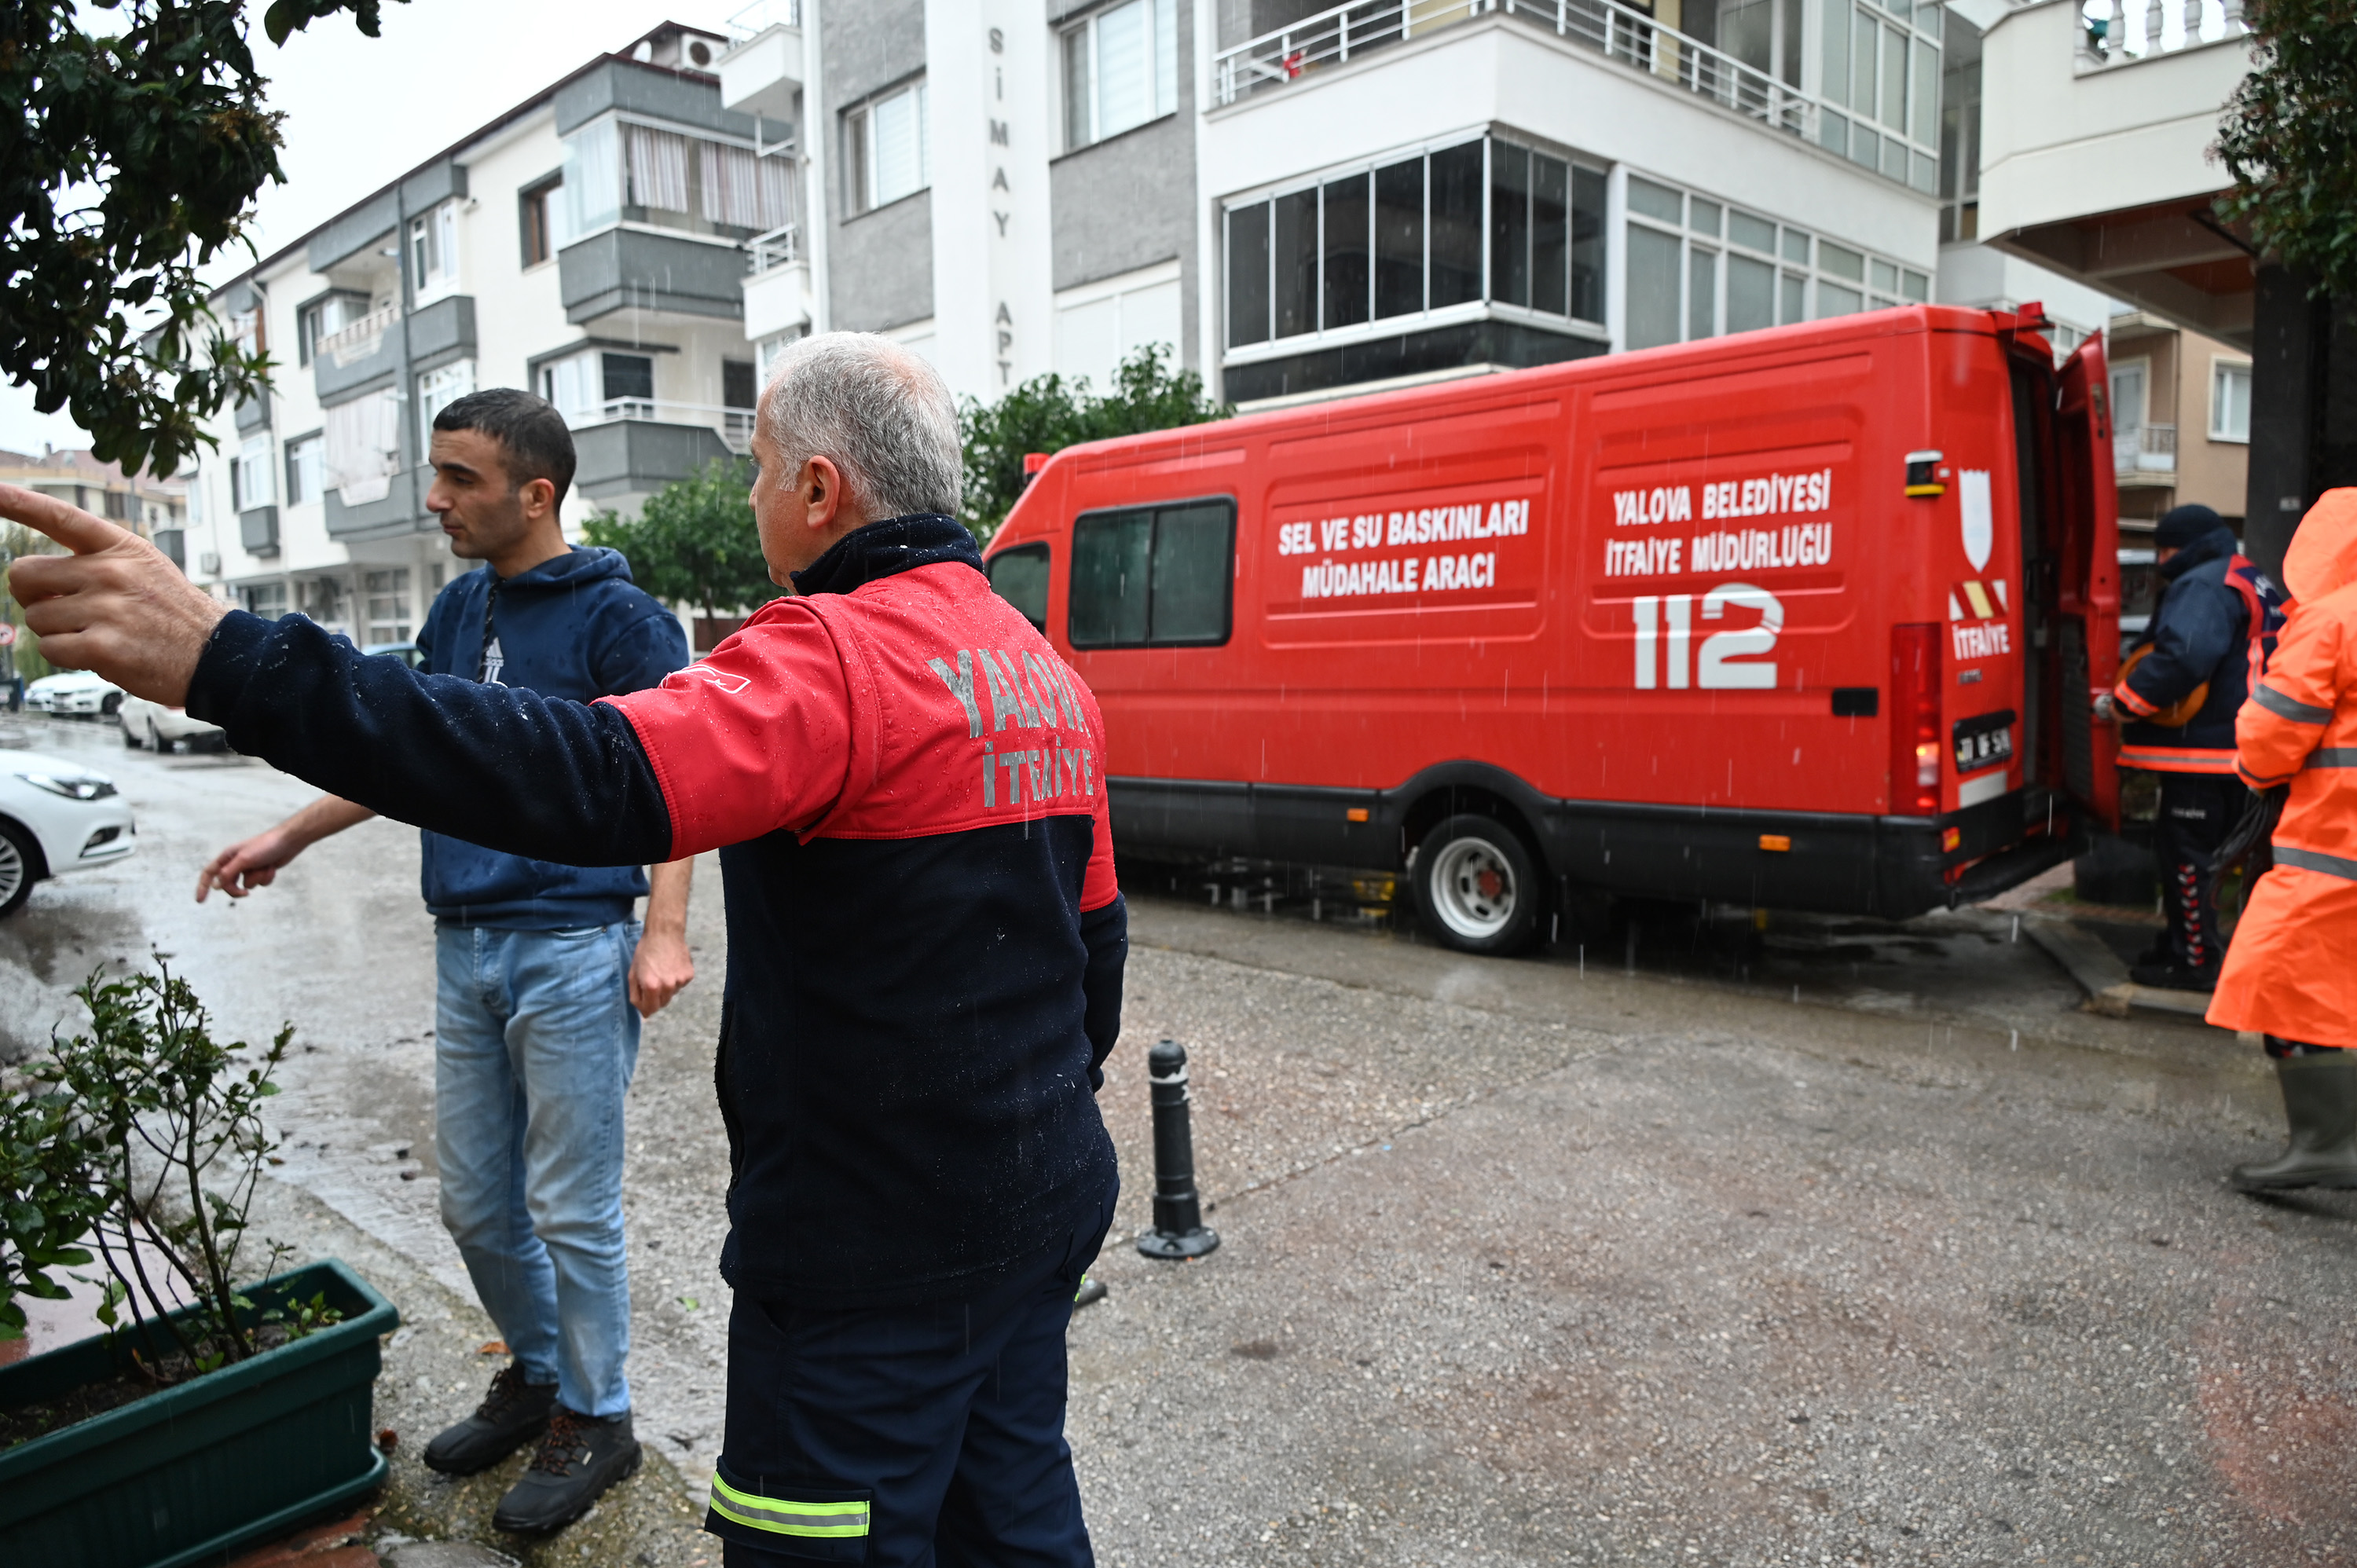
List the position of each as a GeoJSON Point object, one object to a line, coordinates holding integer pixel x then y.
{"type": "Point", "coordinates": [1178, 1230]}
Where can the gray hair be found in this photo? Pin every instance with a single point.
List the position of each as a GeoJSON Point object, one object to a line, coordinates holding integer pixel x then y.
{"type": "Point", "coordinates": [878, 411]}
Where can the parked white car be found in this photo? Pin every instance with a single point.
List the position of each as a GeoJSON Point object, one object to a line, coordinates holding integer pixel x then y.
{"type": "Point", "coordinates": [76, 693]}
{"type": "Point", "coordinates": [56, 815]}
{"type": "Point", "coordinates": [159, 728]}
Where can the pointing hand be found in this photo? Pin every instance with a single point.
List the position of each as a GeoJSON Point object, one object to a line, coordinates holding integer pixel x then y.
{"type": "Point", "coordinates": [116, 606]}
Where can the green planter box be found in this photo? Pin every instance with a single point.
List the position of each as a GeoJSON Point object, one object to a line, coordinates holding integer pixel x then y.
{"type": "Point", "coordinates": [186, 1475]}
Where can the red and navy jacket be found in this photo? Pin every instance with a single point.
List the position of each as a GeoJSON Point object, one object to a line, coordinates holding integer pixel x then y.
{"type": "Point", "coordinates": [2217, 622]}
{"type": "Point", "coordinates": [925, 935]}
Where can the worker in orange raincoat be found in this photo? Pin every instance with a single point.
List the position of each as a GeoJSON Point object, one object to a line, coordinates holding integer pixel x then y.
{"type": "Point", "coordinates": [2291, 971]}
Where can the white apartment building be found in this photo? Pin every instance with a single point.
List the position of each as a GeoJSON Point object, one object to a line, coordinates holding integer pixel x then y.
{"type": "Point", "coordinates": [591, 243]}
{"type": "Point", "coordinates": [1304, 200]}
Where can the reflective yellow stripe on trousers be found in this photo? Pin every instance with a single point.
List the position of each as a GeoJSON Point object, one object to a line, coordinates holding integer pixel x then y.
{"type": "Point", "coordinates": [784, 1517]}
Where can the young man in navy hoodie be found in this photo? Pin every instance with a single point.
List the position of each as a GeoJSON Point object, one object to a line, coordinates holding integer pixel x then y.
{"type": "Point", "coordinates": [543, 973]}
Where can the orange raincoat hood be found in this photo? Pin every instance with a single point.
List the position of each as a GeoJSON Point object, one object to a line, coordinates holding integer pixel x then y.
{"type": "Point", "coordinates": [2323, 553]}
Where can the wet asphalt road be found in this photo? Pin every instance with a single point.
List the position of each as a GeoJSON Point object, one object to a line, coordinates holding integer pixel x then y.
{"type": "Point", "coordinates": [1530, 1261]}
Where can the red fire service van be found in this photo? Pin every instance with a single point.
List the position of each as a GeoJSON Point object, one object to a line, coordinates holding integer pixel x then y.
{"type": "Point", "coordinates": [1806, 618]}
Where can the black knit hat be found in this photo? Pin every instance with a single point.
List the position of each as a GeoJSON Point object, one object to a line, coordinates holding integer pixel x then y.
{"type": "Point", "coordinates": [2181, 525]}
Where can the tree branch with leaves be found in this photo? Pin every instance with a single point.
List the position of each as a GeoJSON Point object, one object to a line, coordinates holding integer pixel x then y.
{"type": "Point", "coordinates": [2289, 138]}
{"type": "Point", "coordinates": [131, 161]}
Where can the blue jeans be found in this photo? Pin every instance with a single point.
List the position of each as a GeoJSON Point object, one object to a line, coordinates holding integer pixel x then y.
{"type": "Point", "coordinates": [535, 1041]}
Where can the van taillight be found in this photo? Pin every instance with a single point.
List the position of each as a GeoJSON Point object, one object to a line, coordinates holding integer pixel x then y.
{"type": "Point", "coordinates": [1915, 720]}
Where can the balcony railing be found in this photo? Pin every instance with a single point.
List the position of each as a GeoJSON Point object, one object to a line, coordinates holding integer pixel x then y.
{"type": "Point", "coordinates": [2119, 32]}
{"type": "Point", "coordinates": [1334, 37]}
{"type": "Point", "coordinates": [351, 344]}
{"type": "Point", "coordinates": [734, 424]}
{"type": "Point", "coordinates": [777, 248]}
{"type": "Point", "coordinates": [762, 15]}
{"type": "Point", "coordinates": [2143, 448]}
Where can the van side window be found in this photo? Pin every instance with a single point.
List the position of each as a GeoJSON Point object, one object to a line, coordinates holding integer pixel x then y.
{"type": "Point", "coordinates": [1154, 576]}
{"type": "Point", "coordinates": [1020, 575]}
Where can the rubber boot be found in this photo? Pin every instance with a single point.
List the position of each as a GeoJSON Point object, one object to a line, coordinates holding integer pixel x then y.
{"type": "Point", "coordinates": [2320, 1102]}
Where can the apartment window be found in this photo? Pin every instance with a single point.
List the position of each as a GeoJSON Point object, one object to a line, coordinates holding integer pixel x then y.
{"type": "Point", "coordinates": [737, 388]}
{"type": "Point", "coordinates": [1886, 74]}
{"type": "Point", "coordinates": [886, 149]}
{"type": "Point", "coordinates": [1154, 576]}
{"type": "Point", "coordinates": [304, 456]}
{"type": "Point", "coordinates": [618, 170]}
{"type": "Point", "coordinates": [534, 209]}
{"type": "Point", "coordinates": [363, 446]}
{"type": "Point", "coordinates": [586, 388]}
{"type": "Point", "coordinates": [245, 330]}
{"type": "Point", "coordinates": [386, 594]}
{"type": "Point", "coordinates": [250, 475]}
{"type": "Point", "coordinates": [1121, 70]}
{"type": "Point", "coordinates": [324, 317]}
{"type": "Point", "coordinates": [1960, 140]}
{"type": "Point", "coordinates": [267, 600]}
{"type": "Point", "coordinates": [433, 253]}
{"type": "Point", "coordinates": [2230, 400]}
{"type": "Point", "coordinates": [437, 389]}
{"type": "Point", "coordinates": [1411, 236]}
{"type": "Point", "coordinates": [1699, 267]}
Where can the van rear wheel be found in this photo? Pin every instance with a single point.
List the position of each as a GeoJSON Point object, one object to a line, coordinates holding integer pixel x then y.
{"type": "Point", "coordinates": [1477, 888]}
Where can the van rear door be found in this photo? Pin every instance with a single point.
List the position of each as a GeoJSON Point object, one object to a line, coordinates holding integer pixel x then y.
{"type": "Point", "coordinates": [2085, 539]}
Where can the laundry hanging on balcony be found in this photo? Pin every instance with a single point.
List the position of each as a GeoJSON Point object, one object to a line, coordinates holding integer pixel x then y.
{"type": "Point", "coordinates": [364, 447]}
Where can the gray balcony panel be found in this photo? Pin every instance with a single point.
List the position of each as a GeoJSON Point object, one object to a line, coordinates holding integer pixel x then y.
{"type": "Point", "coordinates": [257, 529]}
{"type": "Point", "coordinates": [443, 331]}
{"type": "Point", "coordinates": [254, 413]}
{"type": "Point", "coordinates": [353, 233]}
{"type": "Point", "coordinates": [630, 268]}
{"type": "Point", "coordinates": [428, 185]}
{"type": "Point", "coordinates": [401, 511]}
{"type": "Point", "coordinates": [662, 94]}
{"type": "Point", "coordinates": [636, 456]}
{"type": "Point", "coordinates": [342, 382]}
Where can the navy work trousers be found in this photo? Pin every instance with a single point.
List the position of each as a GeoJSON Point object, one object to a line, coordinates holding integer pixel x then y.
{"type": "Point", "coordinates": [923, 1435]}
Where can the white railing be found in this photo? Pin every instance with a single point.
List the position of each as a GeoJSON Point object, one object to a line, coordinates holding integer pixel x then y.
{"type": "Point", "coordinates": [762, 15]}
{"type": "Point", "coordinates": [777, 248]}
{"type": "Point", "coordinates": [351, 344]}
{"type": "Point", "coordinates": [734, 426]}
{"type": "Point", "coordinates": [2117, 32]}
{"type": "Point", "coordinates": [1336, 37]}
{"type": "Point", "coordinates": [2143, 448]}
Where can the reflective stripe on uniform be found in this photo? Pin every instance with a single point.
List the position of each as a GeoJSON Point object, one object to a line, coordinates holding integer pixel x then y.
{"type": "Point", "coordinates": [2177, 760]}
{"type": "Point", "coordinates": [2333, 757]}
{"type": "Point", "coordinates": [782, 1515]}
{"type": "Point", "coordinates": [2309, 860]}
{"type": "Point", "coordinates": [2125, 696]}
{"type": "Point", "coordinates": [2284, 708]}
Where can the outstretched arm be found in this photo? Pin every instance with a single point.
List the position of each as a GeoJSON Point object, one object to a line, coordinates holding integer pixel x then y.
{"type": "Point", "coordinates": [498, 765]}
{"type": "Point", "coordinates": [242, 867]}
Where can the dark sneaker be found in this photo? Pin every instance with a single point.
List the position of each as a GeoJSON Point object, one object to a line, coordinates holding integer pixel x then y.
{"type": "Point", "coordinates": [511, 1415]}
{"type": "Point", "coordinates": [2175, 976]}
{"type": "Point", "coordinates": [579, 1457]}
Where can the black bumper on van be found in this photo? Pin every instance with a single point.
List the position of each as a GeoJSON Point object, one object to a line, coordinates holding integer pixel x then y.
{"type": "Point", "coordinates": [1827, 862]}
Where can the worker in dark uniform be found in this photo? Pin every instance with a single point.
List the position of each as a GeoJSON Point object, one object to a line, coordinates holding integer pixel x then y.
{"type": "Point", "coordinates": [2176, 703]}
{"type": "Point", "coordinates": [925, 942]}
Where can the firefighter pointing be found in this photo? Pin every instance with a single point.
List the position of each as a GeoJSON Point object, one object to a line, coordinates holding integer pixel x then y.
{"type": "Point", "coordinates": [2175, 701]}
{"type": "Point", "coordinates": [2290, 975]}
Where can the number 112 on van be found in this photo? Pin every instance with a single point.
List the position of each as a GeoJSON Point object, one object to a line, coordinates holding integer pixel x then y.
{"type": "Point", "coordinates": [1724, 664]}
